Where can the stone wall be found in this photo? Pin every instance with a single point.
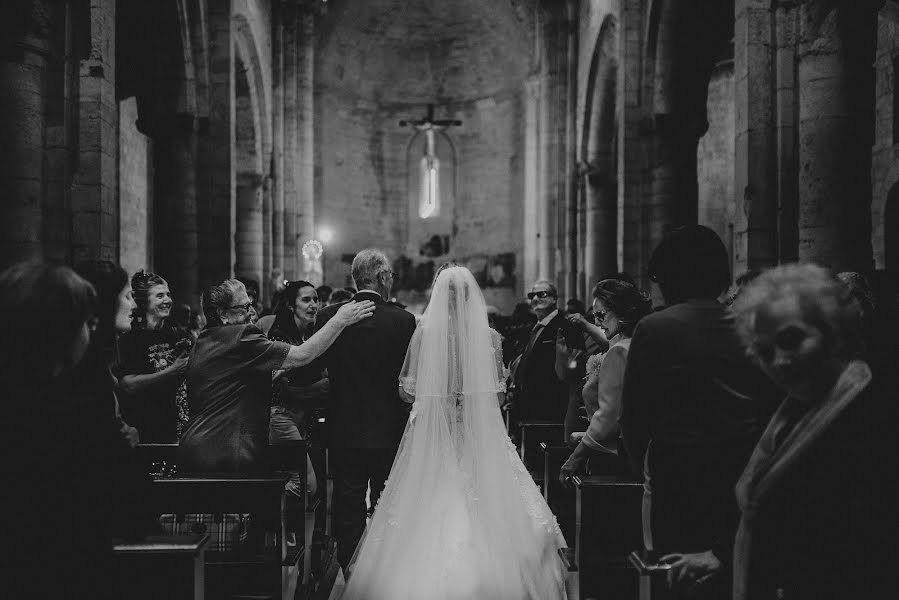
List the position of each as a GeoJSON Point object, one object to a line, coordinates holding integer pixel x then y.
{"type": "Point", "coordinates": [885, 166]}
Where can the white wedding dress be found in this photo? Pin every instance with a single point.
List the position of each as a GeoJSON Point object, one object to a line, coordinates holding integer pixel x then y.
{"type": "Point", "coordinates": [460, 517]}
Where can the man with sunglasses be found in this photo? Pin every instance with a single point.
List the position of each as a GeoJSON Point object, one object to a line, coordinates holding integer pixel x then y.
{"type": "Point", "coordinates": [542, 395]}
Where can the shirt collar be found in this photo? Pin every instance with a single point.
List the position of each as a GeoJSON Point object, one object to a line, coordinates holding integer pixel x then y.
{"type": "Point", "coordinates": [375, 295]}
{"type": "Point", "coordinates": [545, 320]}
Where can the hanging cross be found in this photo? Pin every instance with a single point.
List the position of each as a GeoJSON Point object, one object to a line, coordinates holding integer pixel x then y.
{"type": "Point", "coordinates": [428, 123]}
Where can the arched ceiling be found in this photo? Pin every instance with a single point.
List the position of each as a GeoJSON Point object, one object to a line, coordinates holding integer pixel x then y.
{"type": "Point", "coordinates": [420, 51]}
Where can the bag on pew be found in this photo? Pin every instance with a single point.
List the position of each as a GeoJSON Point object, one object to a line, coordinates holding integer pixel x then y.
{"type": "Point", "coordinates": [226, 531]}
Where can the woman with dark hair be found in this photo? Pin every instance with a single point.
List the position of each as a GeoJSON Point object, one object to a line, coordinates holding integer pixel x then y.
{"type": "Point", "coordinates": [230, 379]}
{"type": "Point", "coordinates": [154, 363]}
{"type": "Point", "coordinates": [300, 389]}
{"type": "Point", "coordinates": [56, 438]}
{"type": "Point", "coordinates": [617, 308]}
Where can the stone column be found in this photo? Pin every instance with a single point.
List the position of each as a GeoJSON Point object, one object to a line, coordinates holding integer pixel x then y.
{"type": "Point", "coordinates": [264, 290]}
{"type": "Point", "coordinates": [215, 194]}
{"type": "Point", "coordinates": [836, 104]}
{"type": "Point", "coordinates": [532, 217]}
{"type": "Point", "coordinates": [248, 231]}
{"type": "Point", "coordinates": [292, 264]}
{"type": "Point", "coordinates": [306, 126]}
{"type": "Point", "coordinates": [755, 186]}
{"type": "Point", "coordinates": [95, 211]}
{"type": "Point", "coordinates": [24, 50]}
{"type": "Point", "coordinates": [277, 186]}
{"type": "Point", "coordinates": [602, 225]}
{"type": "Point", "coordinates": [175, 244]}
{"type": "Point", "coordinates": [786, 111]}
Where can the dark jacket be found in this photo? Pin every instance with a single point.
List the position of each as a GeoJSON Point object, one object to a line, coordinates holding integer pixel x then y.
{"type": "Point", "coordinates": [364, 366]}
{"type": "Point", "coordinates": [542, 395]}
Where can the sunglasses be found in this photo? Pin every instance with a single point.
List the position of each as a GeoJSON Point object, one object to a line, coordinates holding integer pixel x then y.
{"type": "Point", "coordinates": [540, 294]}
{"type": "Point", "coordinates": [599, 316]}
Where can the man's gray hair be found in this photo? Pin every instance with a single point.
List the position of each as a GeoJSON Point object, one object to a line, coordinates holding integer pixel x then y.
{"type": "Point", "coordinates": [367, 265]}
{"type": "Point", "coordinates": [219, 296]}
{"type": "Point", "coordinates": [548, 283]}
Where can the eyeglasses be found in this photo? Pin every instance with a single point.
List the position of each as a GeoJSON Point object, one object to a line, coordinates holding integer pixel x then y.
{"type": "Point", "coordinates": [245, 307]}
{"type": "Point", "coordinates": [388, 272]}
{"type": "Point", "coordinates": [540, 294]}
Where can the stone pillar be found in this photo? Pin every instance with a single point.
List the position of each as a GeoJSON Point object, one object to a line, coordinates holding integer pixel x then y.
{"type": "Point", "coordinates": [755, 183]}
{"type": "Point", "coordinates": [95, 211]}
{"type": "Point", "coordinates": [277, 186]}
{"type": "Point", "coordinates": [291, 262]}
{"type": "Point", "coordinates": [602, 225]}
{"type": "Point", "coordinates": [248, 232]}
{"type": "Point", "coordinates": [306, 127]}
{"type": "Point", "coordinates": [24, 50]}
{"type": "Point", "coordinates": [787, 142]}
{"type": "Point", "coordinates": [532, 218]}
{"type": "Point", "coordinates": [264, 290]}
{"type": "Point", "coordinates": [215, 195]}
{"type": "Point", "coordinates": [836, 104]}
{"type": "Point", "coordinates": [175, 244]}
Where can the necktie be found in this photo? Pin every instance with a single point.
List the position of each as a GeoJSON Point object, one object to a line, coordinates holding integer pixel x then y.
{"type": "Point", "coordinates": [534, 334]}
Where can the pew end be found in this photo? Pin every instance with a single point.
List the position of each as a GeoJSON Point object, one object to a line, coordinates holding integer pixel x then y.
{"type": "Point", "coordinates": [182, 559]}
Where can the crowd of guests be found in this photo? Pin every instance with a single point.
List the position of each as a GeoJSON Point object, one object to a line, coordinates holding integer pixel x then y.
{"type": "Point", "coordinates": [757, 415]}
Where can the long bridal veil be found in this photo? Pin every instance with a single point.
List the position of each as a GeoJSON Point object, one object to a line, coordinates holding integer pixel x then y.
{"type": "Point", "coordinates": [459, 517]}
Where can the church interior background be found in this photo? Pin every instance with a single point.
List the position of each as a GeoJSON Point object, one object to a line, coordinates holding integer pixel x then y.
{"type": "Point", "coordinates": [526, 139]}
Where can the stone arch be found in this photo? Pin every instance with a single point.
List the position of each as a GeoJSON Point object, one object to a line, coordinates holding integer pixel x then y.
{"type": "Point", "coordinates": [598, 152]}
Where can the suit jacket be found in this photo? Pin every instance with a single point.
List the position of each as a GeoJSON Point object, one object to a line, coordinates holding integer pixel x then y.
{"type": "Point", "coordinates": [364, 365]}
{"type": "Point", "coordinates": [543, 396]}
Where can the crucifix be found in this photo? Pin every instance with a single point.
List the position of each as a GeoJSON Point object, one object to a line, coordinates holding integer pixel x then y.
{"type": "Point", "coordinates": [430, 163]}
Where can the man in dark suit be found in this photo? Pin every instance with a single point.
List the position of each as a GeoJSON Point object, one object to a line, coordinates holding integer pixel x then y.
{"type": "Point", "coordinates": [367, 417]}
{"type": "Point", "coordinates": [543, 396]}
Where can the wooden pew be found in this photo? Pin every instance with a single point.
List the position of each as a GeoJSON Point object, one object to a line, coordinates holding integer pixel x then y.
{"type": "Point", "coordinates": [561, 499]}
{"type": "Point", "coordinates": [162, 567]}
{"type": "Point", "coordinates": [253, 567]}
{"type": "Point", "coordinates": [532, 433]}
{"type": "Point", "coordinates": [608, 527]}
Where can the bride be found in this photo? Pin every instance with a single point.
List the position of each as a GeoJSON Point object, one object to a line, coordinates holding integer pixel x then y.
{"type": "Point", "coordinates": [459, 517]}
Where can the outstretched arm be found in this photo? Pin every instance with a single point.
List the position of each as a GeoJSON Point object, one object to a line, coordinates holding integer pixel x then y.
{"type": "Point", "coordinates": [349, 313]}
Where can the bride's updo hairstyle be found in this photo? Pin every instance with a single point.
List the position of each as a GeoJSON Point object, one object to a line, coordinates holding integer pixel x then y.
{"type": "Point", "coordinates": [624, 299]}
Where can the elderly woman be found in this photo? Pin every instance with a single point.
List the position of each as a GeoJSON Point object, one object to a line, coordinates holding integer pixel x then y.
{"type": "Point", "coordinates": [818, 501]}
{"type": "Point", "coordinates": [617, 308]}
{"type": "Point", "coordinates": [229, 379]}
{"type": "Point", "coordinates": [153, 363]}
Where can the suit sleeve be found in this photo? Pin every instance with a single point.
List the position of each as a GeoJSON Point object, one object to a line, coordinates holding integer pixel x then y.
{"type": "Point", "coordinates": [604, 422]}
{"type": "Point", "coordinates": [636, 397]}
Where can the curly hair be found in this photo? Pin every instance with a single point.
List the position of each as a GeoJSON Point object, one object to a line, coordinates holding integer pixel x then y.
{"type": "Point", "coordinates": [141, 283]}
{"type": "Point", "coordinates": [624, 299]}
{"type": "Point", "coordinates": [824, 301]}
{"type": "Point", "coordinates": [219, 296]}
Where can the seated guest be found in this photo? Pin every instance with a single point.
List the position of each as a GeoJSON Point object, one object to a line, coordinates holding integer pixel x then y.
{"type": "Point", "coordinates": [693, 404]}
{"type": "Point", "coordinates": [229, 380]}
{"type": "Point", "coordinates": [818, 501]}
{"type": "Point", "coordinates": [153, 363]}
{"type": "Point", "coordinates": [62, 441]}
{"type": "Point", "coordinates": [617, 308]}
{"type": "Point", "coordinates": [298, 390]}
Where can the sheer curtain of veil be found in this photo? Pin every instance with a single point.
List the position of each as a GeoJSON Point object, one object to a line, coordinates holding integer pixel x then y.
{"type": "Point", "coordinates": [460, 517]}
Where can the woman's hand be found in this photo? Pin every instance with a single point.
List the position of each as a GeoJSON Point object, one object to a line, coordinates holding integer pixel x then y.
{"type": "Point", "coordinates": [696, 567]}
{"type": "Point", "coordinates": [353, 312]}
{"type": "Point", "coordinates": [577, 319]}
{"type": "Point", "coordinates": [573, 466]}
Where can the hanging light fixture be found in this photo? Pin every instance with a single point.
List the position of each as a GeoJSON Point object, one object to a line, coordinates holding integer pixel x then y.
{"type": "Point", "coordinates": [429, 204]}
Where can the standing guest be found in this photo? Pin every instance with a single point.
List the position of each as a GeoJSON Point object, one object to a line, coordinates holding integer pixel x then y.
{"type": "Point", "coordinates": [60, 438]}
{"type": "Point", "coordinates": [819, 505]}
{"type": "Point", "coordinates": [367, 414]}
{"type": "Point", "coordinates": [693, 404]}
{"type": "Point", "coordinates": [340, 295]}
{"type": "Point", "coordinates": [617, 308]}
{"type": "Point", "coordinates": [301, 389]}
{"type": "Point", "coordinates": [324, 294]}
{"type": "Point", "coordinates": [153, 363]}
{"type": "Point", "coordinates": [229, 380]}
{"type": "Point", "coordinates": [542, 396]}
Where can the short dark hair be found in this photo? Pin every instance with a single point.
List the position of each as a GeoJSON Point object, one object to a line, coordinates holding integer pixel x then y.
{"type": "Point", "coordinates": [108, 279]}
{"type": "Point", "coordinates": [47, 306]}
{"type": "Point", "coordinates": [624, 299]}
{"type": "Point", "coordinates": [690, 262]}
{"type": "Point", "coordinates": [340, 295]}
{"type": "Point", "coordinates": [292, 290]}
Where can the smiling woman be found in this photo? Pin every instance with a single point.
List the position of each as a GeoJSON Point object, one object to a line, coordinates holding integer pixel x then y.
{"type": "Point", "coordinates": [153, 363]}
